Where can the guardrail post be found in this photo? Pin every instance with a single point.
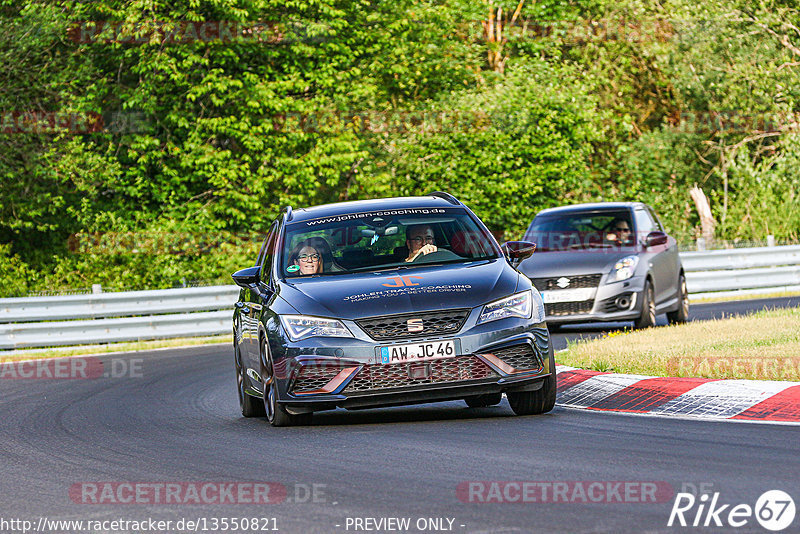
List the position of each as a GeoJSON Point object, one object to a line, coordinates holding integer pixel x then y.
{"type": "Point", "coordinates": [97, 288]}
{"type": "Point", "coordinates": [701, 243]}
{"type": "Point", "coordinates": [770, 240]}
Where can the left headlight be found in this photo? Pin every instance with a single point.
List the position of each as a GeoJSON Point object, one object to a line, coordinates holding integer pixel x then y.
{"type": "Point", "coordinates": [624, 269]}
{"type": "Point", "coordinates": [517, 305]}
{"type": "Point", "coordinates": [302, 326]}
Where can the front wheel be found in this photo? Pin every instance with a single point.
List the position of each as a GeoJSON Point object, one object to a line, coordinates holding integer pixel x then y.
{"type": "Point", "coordinates": [250, 406]}
{"type": "Point", "coordinates": [681, 315]}
{"type": "Point", "coordinates": [277, 414]}
{"type": "Point", "coordinates": [648, 317]}
{"type": "Point", "coordinates": [536, 402]}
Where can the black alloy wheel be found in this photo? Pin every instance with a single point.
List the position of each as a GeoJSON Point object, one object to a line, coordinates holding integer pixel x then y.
{"type": "Point", "coordinates": [250, 406]}
{"type": "Point", "coordinates": [681, 315]}
{"type": "Point", "coordinates": [277, 414]}
{"type": "Point", "coordinates": [648, 317]}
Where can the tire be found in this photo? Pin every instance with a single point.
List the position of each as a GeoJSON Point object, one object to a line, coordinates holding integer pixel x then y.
{"type": "Point", "coordinates": [681, 315]}
{"type": "Point", "coordinates": [277, 414]}
{"type": "Point", "coordinates": [250, 406]}
{"type": "Point", "coordinates": [481, 401]}
{"type": "Point", "coordinates": [648, 317]}
{"type": "Point", "coordinates": [536, 402]}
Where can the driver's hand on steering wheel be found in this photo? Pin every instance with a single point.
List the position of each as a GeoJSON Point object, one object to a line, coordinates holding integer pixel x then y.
{"type": "Point", "coordinates": [426, 249]}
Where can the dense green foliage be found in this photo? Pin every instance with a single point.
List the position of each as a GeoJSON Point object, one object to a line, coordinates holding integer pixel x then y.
{"type": "Point", "coordinates": [203, 141]}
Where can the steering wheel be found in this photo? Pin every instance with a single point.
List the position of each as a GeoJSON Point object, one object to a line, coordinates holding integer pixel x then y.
{"type": "Point", "coordinates": [440, 255]}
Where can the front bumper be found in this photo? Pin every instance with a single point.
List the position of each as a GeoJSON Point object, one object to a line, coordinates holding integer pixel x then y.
{"type": "Point", "coordinates": [327, 373]}
{"type": "Point", "coordinates": [618, 301]}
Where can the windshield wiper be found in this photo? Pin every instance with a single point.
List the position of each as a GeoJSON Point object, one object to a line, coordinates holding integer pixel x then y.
{"type": "Point", "coordinates": [378, 268]}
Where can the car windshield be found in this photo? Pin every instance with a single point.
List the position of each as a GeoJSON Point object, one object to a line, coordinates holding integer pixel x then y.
{"type": "Point", "coordinates": [354, 242]}
{"type": "Point", "coordinates": [573, 230]}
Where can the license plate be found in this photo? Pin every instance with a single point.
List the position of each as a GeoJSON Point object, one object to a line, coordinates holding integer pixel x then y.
{"type": "Point", "coordinates": [568, 295]}
{"type": "Point", "coordinates": [417, 352]}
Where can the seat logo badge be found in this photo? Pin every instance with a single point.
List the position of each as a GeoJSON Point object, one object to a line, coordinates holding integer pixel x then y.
{"type": "Point", "coordinates": [403, 281]}
{"type": "Point", "coordinates": [562, 282]}
{"type": "Point", "coordinates": [414, 325]}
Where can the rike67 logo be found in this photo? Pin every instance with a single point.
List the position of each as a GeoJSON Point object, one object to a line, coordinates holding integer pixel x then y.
{"type": "Point", "coordinates": [774, 510]}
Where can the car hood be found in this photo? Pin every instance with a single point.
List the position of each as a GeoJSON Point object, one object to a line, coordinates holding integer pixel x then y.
{"type": "Point", "coordinates": [358, 295]}
{"type": "Point", "coordinates": [572, 263]}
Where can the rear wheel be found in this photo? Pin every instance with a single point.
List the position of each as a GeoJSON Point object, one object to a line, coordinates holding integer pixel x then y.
{"type": "Point", "coordinates": [277, 414]}
{"type": "Point", "coordinates": [250, 406]}
{"type": "Point", "coordinates": [648, 317]}
{"type": "Point", "coordinates": [536, 402]}
{"type": "Point", "coordinates": [681, 315]}
{"type": "Point", "coordinates": [480, 401]}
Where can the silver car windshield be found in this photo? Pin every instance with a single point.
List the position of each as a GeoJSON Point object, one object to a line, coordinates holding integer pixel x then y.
{"type": "Point", "coordinates": [575, 230]}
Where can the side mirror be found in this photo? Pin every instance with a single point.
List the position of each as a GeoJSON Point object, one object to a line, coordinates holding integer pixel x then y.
{"type": "Point", "coordinates": [655, 238]}
{"type": "Point", "coordinates": [246, 278]}
{"type": "Point", "coordinates": [516, 251]}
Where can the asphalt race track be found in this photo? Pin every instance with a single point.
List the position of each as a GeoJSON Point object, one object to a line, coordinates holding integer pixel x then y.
{"type": "Point", "coordinates": [176, 420]}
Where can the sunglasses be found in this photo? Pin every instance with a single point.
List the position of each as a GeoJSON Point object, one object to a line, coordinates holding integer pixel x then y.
{"type": "Point", "coordinates": [308, 257]}
{"type": "Point", "coordinates": [618, 229]}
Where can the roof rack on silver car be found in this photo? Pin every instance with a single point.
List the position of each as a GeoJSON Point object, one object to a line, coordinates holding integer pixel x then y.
{"type": "Point", "coordinates": [447, 196]}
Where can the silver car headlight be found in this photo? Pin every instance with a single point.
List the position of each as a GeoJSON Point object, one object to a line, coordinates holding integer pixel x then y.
{"type": "Point", "coordinates": [302, 326]}
{"type": "Point", "coordinates": [517, 305]}
{"type": "Point", "coordinates": [624, 268]}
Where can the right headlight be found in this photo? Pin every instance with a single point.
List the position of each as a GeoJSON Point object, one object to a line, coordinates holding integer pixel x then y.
{"type": "Point", "coordinates": [518, 305]}
{"type": "Point", "coordinates": [302, 326]}
{"type": "Point", "coordinates": [624, 268]}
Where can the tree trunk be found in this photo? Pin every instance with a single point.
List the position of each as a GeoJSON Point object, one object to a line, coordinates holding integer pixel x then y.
{"type": "Point", "coordinates": [707, 222]}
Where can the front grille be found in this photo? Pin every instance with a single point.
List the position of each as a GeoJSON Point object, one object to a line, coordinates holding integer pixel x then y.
{"type": "Point", "coordinates": [391, 327]}
{"type": "Point", "coordinates": [396, 375]}
{"type": "Point", "coordinates": [519, 357]}
{"type": "Point", "coordinates": [575, 282]}
{"type": "Point", "coordinates": [313, 377]}
{"type": "Point", "coordinates": [568, 308]}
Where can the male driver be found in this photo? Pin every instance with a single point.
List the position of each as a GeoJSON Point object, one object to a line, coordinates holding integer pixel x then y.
{"type": "Point", "coordinates": [419, 240]}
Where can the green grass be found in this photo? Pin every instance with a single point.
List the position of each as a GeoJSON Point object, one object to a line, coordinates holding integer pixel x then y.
{"type": "Point", "coordinates": [760, 346]}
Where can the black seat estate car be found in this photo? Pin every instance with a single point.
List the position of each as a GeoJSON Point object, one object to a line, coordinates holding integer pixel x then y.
{"type": "Point", "coordinates": [388, 302]}
{"type": "Point", "coordinates": [607, 261]}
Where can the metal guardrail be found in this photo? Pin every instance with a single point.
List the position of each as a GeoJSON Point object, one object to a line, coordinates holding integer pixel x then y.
{"type": "Point", "coordinates": [110, 317]}
{"type": "Point", "coordinates": [736, 272]}
{"type": "Point", "coordinates": [120, 304]}
{"type": "Point", "coordinates": [81, 332]}
{"type": "Point", "coordinates": [747, 258]}
{"type": "Point", "coordinates": [205, 311]}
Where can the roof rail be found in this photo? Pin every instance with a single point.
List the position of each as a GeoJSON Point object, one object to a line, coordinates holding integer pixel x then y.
{"type": "Point", "coordinates": [447, 196]}
{"type": "Point", "coordinates": [288, 210]}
